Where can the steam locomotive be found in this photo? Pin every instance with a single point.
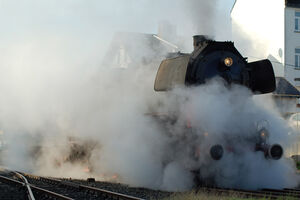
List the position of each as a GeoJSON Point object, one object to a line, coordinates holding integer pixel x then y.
{"type": "Point", "coordinates": [211, 59]}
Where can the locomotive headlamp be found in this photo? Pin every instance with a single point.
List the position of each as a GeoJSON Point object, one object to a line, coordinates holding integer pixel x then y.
{"type": "Point", "coordinates": [263, 133]}
{"type": "Point", "coordinates": [228, 61]}
{"type": "Point", "coordinates": [216, 152]}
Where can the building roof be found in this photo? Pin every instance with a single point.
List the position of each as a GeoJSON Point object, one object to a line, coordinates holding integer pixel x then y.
{"type": "Point", "coordinates": [135, 48]}
{"type": "Point", "coordinates": [285, 88]}
{"type": "Point", "coordinates": [233, 6]}
{"type": "Point", "coordinates": [292, 3]}
{"type": "Point", "coordinates": [288, 3]}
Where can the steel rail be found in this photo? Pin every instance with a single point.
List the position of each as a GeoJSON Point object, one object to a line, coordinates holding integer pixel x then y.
{"type": "Point", "coordinates": [29, 187]}
{"type": "Point", "coordinates": [267, 191]}
{"type": "Point", "coordinates": [29, 192]}
{"type": "Point", "coordinates": [49, 193]}
{"type": "Point", "coordinates": [263, 193]}
{"type": "Point", "coordinates": [270, 193]}
{"type": "Point", "coordinates": [284, 192]}
{"type": "Point", "coordinates": [9, 181]}
{"type": "Point", "coordinates": [246, 193]}
{"type": "Point", "coordinates": [109, 193]}
{"type": "Point", "coordinates": [101, 192]}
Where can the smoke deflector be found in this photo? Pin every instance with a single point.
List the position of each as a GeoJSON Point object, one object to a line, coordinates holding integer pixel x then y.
{"type": "Point", "coordinates": [171, 72]}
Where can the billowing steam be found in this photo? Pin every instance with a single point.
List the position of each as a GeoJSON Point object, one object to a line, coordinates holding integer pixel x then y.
{"type": "Point", "coordinates": [64, 115]}
{"type": "Point", "coordinates": [231, 115]}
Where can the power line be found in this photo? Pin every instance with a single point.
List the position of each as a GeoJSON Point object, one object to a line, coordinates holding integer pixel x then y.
{"type": "Point", "coordinates": [289, 65]}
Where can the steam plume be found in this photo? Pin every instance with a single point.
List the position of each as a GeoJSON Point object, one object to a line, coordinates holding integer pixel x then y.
{"type": "Point", "coordinates": [56, 96]}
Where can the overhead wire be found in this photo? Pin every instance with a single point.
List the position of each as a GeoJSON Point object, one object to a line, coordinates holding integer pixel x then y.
{"type": "Point", "coordinates": [287, 65]}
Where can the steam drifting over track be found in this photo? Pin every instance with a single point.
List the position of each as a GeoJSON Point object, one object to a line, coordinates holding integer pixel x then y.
{"type": "Point", "coordinates": [16, 185]}
{"type": "Point", "coordinates": [34, 187]}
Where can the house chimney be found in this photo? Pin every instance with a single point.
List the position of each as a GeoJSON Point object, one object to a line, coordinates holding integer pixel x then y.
{"type": "Point", "coordinates": [167, 31]}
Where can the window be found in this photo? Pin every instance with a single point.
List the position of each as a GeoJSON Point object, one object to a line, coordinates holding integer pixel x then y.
{"type": "Point", "coordinates": [296, 117]}
{"type": "Point", "coordinates": [297, 21]}
{"type": "Point", "coordinates": [297, 58]}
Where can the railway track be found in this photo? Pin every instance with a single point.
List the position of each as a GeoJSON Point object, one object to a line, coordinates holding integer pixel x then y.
{"type": "Point", "coordinates": [12, 189]}
{"type": "Point", "coordinates": [262, 193]}
{"type": "Point", "coordinates": [25, 186]}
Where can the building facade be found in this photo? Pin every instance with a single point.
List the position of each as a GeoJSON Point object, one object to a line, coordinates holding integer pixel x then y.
{"type": "Point", "coordinates": [270, 28]}
{"type": "Point", "coordinates": [129, 49]}
{"type": "Point", "coordinates": [292, 42]}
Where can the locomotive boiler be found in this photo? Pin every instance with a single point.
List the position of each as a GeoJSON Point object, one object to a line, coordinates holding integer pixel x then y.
{"type": "Point", "coordinates": [211, 59]}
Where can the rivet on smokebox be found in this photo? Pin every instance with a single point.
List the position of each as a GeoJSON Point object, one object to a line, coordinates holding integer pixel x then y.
{"type": "Point", "coordinates": [90, 180]}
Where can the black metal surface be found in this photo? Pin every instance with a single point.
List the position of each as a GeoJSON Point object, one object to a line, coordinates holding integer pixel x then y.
{"type": "Point", "coordinates": [208, 61]}
{"type": "Point", "coordinates": [286, 89]}
{"type": "Point", "coordinates": [292, 3]}
{"type": "Point", "coordinates": [262, 78]}
{"type": "Point", "coordinates": [216, 152]}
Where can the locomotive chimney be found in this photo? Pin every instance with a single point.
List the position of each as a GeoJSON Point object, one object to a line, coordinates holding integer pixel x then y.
{"type": "Point", "coordinates": [199, 39]}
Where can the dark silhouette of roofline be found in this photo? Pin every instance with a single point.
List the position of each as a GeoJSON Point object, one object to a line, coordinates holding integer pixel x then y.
{"type": "Point", "coordinates": [292, 3]}
{"type": "Point", "coordinates": [233, 6]}
{"type": "Point", "coordinates": [285, 89]}
{"type": "Point", "coordinates": [288, 3]}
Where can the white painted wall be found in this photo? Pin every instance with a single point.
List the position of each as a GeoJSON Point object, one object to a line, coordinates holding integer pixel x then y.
{"type": "Point", "coordinates": [292, 41]}
{"type": "Point", "coordinates": [258, 30]}
{"type": "Point", "coordinates": [286, 105]}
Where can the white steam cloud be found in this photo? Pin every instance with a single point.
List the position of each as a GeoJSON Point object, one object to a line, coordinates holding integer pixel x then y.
{"type": "Point", "coordinates": [57, 102]}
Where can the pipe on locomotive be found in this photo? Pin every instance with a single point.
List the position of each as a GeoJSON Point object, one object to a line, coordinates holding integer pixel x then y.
{"type": "Point", "coordinates": [274, 151]}
{"type": "Point", "coordinates": [216, 152]}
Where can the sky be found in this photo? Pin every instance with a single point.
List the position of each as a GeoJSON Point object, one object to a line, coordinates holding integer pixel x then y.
{"type": "Point", "coordinates": [92, 21]}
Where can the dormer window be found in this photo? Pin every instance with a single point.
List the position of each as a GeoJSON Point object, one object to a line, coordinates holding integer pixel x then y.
{"type": "Point", "coordinates": [297, 21]}
{"type": "Point", "coordinates": [297, 58]}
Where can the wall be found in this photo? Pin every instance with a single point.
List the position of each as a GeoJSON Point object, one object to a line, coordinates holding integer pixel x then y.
{"type": "Point", "coordinates": [292, 40]}
{"type": "Point", "coordinates": [286, 105]}
{"type": "Point", "coordinates": [258, 30]}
